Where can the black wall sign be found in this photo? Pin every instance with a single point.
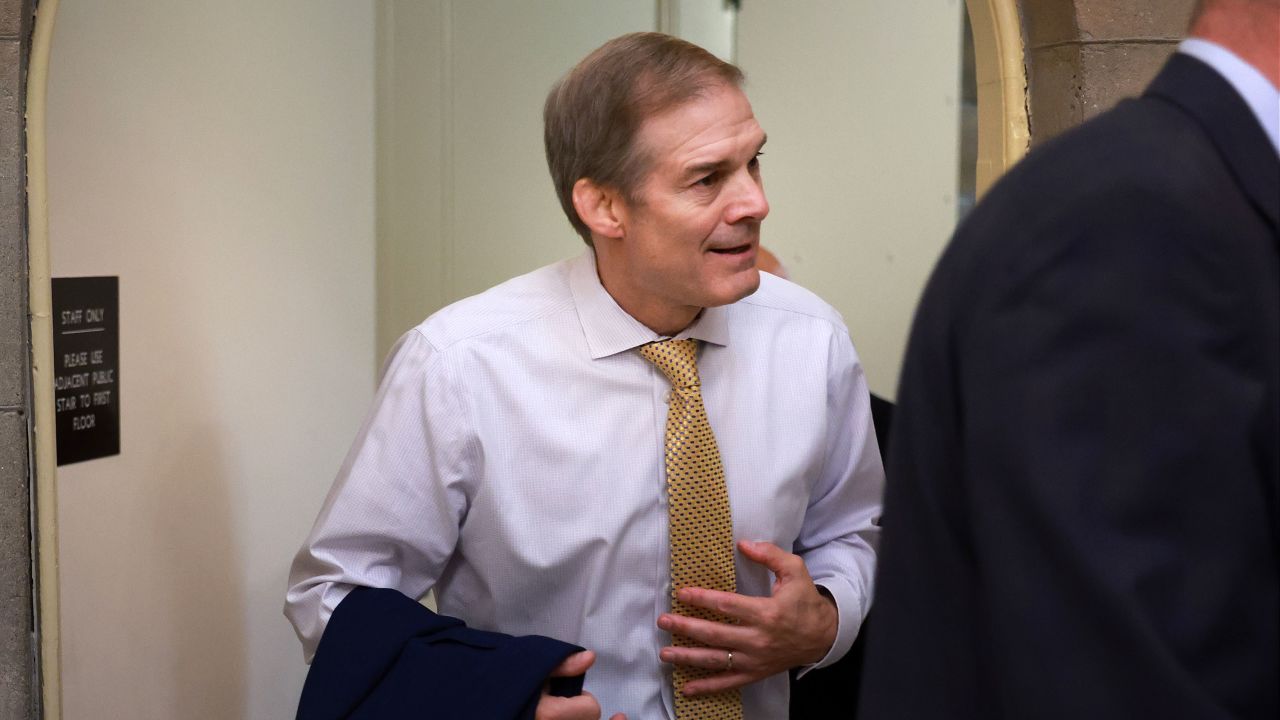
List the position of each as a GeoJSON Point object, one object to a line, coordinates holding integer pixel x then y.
{"type": "Point", "coordinates": [86, 381]}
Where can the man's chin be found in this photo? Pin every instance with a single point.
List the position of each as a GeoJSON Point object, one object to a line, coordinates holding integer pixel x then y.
{"type": "Point", "coordinates": [742, 284]}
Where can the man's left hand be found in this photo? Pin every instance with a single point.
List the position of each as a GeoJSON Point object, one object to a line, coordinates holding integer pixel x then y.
{"type": "Point", "coordinates": [796, 625]}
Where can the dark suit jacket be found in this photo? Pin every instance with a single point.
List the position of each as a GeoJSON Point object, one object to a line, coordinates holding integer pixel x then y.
{"type": "Point", "coordinates": [1080, 517]}
{"type": "Point", "coordinates": [383, 657]}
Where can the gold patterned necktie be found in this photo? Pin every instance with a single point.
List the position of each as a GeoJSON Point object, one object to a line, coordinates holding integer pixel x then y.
{"type": "Point", "coordinates": [700, 521]}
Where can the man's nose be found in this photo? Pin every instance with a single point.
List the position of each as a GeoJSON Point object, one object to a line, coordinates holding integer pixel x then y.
{"type": "Point", "coordinates": [749, 202]}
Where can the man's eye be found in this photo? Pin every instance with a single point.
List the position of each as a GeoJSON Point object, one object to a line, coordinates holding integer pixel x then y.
{"type": "Point", "coordinates": [708, 180]}
{"type": "Point", "coordinates": [755, 161]}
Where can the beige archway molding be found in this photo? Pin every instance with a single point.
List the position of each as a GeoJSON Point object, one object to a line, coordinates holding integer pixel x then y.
{"type": "Point", "coordinates": [44, 448]}
{"type": "Point", "coordinates": [1003, 129]}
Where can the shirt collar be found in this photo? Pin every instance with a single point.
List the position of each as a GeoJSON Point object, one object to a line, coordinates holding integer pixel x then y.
{"type": "Point", "coordinates": [1259, 94]}
{"type": "Point", "coordinates": [610, 330]}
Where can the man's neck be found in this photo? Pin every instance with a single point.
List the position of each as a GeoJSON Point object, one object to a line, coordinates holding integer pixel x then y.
{"type": "Point", "coordinates": [1251, 30]}
{"type": "Point", "coordinates": [664, 319]}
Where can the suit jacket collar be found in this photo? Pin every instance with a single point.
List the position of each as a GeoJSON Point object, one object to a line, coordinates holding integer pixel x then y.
{"type": "Point", "coordinates": [1205, 95]}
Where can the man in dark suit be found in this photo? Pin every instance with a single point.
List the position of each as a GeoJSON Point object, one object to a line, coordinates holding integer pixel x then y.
{"type": "Point", "coordinates": [1081, 515]}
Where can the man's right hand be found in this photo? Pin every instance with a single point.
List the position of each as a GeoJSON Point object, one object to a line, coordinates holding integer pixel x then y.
{"type": "Point", "coordinates": [582, 707]}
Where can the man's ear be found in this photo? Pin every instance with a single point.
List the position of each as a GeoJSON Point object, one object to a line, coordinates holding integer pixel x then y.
{"type": "Point", "coordinates": [600, 208]}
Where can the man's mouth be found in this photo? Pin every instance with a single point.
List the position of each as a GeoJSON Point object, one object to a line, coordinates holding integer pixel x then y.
{"type": "Point", "coordinates": [735, 250]}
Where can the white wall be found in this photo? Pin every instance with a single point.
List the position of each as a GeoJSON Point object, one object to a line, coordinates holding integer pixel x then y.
{"type": "Point", "coordinates": [860, 99]}
{"type": "Point", "coordinates": [464, 197]}
{"type": "Point", "coordinates": [218, 157]}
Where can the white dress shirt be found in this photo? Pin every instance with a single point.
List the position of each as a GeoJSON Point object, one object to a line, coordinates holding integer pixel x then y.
{"type": "Point", "coordinates": [513, 461]}
{"type": "Point", "coordinates": [1259, 94]}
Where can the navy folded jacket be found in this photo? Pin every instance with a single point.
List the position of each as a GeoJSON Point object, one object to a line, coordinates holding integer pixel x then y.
{"type": "Point", "coordinates": [385, 656]}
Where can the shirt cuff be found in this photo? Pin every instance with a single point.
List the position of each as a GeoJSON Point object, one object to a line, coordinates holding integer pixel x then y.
{"type": "Point", "coordinates": [851, 608]}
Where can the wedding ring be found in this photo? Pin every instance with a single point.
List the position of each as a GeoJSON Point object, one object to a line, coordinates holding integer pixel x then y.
{"type": "Point", "coordinates": [728, 661]}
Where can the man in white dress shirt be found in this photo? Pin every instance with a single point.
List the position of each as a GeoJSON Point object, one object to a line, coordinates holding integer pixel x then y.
{"type": "Point", "coordinates": [514, 456]}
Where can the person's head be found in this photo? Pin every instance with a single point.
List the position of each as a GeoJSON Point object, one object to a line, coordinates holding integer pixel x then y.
{"type": "Point", "coordinates": [1248, 28]}
{"type": "Point", "coordinates": [593, 114]}
{"type": "Point", "coordinates": [659, 169]}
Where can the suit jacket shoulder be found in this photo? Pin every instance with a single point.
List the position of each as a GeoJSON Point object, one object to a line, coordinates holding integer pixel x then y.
{"type": "Point", "coordinates": [1183, 174]}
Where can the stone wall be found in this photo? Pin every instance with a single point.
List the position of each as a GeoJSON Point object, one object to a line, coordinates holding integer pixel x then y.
{"type": "Point", "coordinates": [18, 696]}
{"type": "Point", "coordinates": [1084, 56]}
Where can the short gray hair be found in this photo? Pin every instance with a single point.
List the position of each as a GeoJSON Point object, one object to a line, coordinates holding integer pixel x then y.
{"type": "Point", "coordinates": [593, 114]}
